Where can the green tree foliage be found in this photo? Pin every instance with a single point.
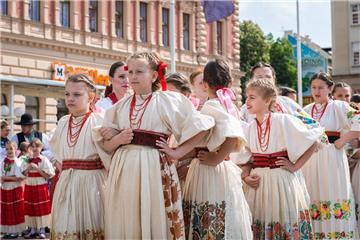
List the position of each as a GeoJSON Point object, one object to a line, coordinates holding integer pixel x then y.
{"type": "Point", "coordinates": [282, 59]}
{"type": "Point", "coordinates": [253, 47]}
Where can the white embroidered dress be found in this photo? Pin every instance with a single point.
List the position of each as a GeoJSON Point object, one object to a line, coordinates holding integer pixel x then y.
{"type": "Point", "coordinates": [328, 178]}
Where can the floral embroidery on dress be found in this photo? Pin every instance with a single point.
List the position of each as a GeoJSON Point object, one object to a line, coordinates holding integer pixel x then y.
{"type": "Point", "coordinates": [277, 231]}
{"type": "Point", "coordinates": [206, 220]}
{"type": "Point", "coordinates": [334, 235]}
{"type": "Point", "coordinates": [324, 210]}
{"type": "Point", "coordinates": [87, 235]}
{"type": "Point", "coordinates": [172, 199]}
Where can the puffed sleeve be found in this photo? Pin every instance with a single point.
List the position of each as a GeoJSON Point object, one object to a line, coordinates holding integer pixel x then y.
{"type": "Point", "coordinates": [47, 167]}
{"type": "Point", "coordinates": [180, 116]}
{"type": "Point", "coordinates": [226, 126]}
{"type": "Point", "coordinates": [97, 140]}
{"type": "Point", "coordinates": [298, 138]}
{"type": "Point", "coordinates": [54, 142]}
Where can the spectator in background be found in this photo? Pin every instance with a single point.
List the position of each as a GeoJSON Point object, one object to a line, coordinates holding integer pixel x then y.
{"type": "Point", "coordinates": [27, 134]}
{"type": "Point", "coordinates": [342, 92]}
{"type": "Point", "coordinates": [355, 100]}
{"type": "Point", "coordinates": [5, 131]}
{"type": "Point", "coordinates": [197, 85]}
{"type": "Point", "coordinates": [288, 92]}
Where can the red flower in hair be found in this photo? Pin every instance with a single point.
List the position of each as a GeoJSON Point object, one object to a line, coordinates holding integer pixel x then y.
{"type": "Point", "coordinates": [126, 68]}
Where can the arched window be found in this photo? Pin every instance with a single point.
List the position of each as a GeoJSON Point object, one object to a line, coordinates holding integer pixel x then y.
{"type": "Point", "coordinates": [32, 107]}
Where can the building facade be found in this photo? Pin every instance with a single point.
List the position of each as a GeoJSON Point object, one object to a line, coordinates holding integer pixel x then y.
{"type": "Point", "coordinates": [42, 41]}
{"type": "Point", "coordinates": [346, 42]}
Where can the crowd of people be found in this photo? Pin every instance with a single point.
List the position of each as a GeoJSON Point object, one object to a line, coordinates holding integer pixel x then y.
{"type": "Point", "coordinates": [167, 157]}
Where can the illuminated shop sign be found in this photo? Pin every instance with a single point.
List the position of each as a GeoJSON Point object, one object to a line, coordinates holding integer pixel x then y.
{"type": "Point", "coordinates": [61, 71]}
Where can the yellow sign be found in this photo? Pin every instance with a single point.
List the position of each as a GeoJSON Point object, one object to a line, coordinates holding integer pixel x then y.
{"type": "Point", "coordinates": [62, 71]}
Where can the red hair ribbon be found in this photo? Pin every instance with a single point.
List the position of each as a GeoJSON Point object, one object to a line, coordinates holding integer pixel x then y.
{"type": "Point", "coordinates": [126, 68]}
{"type": "Point", "coordinates": [161, 68]}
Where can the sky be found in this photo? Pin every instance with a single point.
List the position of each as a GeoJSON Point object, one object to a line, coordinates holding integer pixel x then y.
{"type": "Point", "coordinates": [277, 16]}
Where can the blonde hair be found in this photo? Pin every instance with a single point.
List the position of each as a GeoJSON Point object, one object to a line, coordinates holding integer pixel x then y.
{"type": "Point", "coordinates": [265, 88]}
{"type": "Point", "coordinates": [83, 78]}
{"type": "Point", "coordinates": [36, 142]}
{"type": "Point", "coordinates": [11, 143]}
{"type": "Point", "coordinates": [154, 60]}
{"type": "Point", "coordinates": [195, 73]}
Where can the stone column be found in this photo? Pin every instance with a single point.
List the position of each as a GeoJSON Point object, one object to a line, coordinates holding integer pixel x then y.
{"type": "Point", "coordinates": [200, 30]}
{"type": "Point", "coordinates": [236, 36]}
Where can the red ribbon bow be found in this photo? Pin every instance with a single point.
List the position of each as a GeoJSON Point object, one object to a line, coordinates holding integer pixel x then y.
{"type": "Point", "coordinates": [160, 70]}
{"type": "Point", "coordinates": [36, 160]}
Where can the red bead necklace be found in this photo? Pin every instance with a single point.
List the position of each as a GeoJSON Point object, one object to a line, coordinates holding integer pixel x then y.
{"type": "Point", "coordinates": [318, 112]}
{"type": "Point", "coordinates": [135, 110]}
{"type": "Point", "coordinates": [263, 136]}
{"type": "Point", "coordinates": [71, 136]}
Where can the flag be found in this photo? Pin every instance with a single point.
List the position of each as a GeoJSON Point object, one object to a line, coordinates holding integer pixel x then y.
{"type": "Point", "coordinates": [217, 9]}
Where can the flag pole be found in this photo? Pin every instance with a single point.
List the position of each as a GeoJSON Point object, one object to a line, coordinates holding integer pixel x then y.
{"type": "Point", "coordinates": [172, 36]}
{"type": "Point", "coordinates": [298, 48]}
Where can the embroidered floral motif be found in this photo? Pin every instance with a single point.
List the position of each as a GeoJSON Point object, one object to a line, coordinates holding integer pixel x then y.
{"type": "Point", "coordinates": [171, 191]}
{"type": "Point", "coordinates": [8, 166]}
{"type": "Point", "coordinates": [206, 220]}
{"type": "Point", "coordinates": [324, 210]}
{"type": "Point", "coordinates": [88, 235]}
{"type": "Point", "coordinates": [334, 235]}
{"type": "Point", "coordinates": [276, 231]}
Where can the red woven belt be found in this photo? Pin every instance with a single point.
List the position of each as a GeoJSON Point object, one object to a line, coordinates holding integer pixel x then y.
{"type": "Point", "coordinates": [332, 136]}
{"type": "Point", "coordinates": [267, 160]}
{"type": "Point", "coordinates": [34, 174]}
{"type": "Point", "coordinates": [82, 164]}
{"type": "Point", "coordinates": [147, 138]}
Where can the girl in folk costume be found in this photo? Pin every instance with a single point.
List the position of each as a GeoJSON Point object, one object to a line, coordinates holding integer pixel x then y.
{"type": "Point", "coordinates": [177, 82]}
{"type": "Point", "coordinates": [282, 104]}
{"type": "Point", "coordinates": [36, 198]}
{"type": "Point", "coordinates": [143, 194]}
{"type": "Point", "coordinates": [200, 94]}
{"type": "Point", "coordinates": [12, 194]}
{"type": "Point", "coordinates": [277, 202]}
{"type": "Point", "coordinates": [214, 203]}
{"type": "Point", "coordinates": [78, 208]}
{"type": "Point", "coordinates": [327, 172]}
{"type": "Point", "coordinates": [119, 86]}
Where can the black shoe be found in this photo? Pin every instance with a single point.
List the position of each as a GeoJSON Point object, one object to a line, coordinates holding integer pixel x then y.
{"type": "Point", "coordinates": [13, 236]}
{"type": "Point", "coordinates": [42, 235]}
{"type": "Point", "coordinates": [6, 236]}
{"type": "Point", "coordinates": [47, 230]}
{"type": "Point", "coordinates": [30, 235]}
{"type": "Point", "coordinates": [26, 232]}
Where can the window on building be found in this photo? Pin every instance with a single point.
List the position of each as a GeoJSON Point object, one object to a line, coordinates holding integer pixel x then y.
{"type": "Point", "coordinates": [119, 19]}
{"type": "Point", "coordinates": [93, 15]}
{"type": "Point", "coordinates": [219, 37]}
{"type": "Point", "coordinates": [3, 7]}
{"type": "Point", "coordinates": [3, 99]}
{"type": "Point", "coordinates": [34, 10]}
{"type": "Point", "coordinates": [355, 13]}
{"type": "Point", "coordinates": [143, 22]}
{"type": "Point", "coordinates": [356, 53]}
{"type": "Point", "coordinates": [65, 13]}
{"type": "Point", "coordinates": [165, 26]}
{"type": "Point", "coordinates": [186, 31]}
{"type": "Point", "coordinates": [32, 107]}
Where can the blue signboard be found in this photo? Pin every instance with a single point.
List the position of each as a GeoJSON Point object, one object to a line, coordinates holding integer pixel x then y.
{"type": "Point", "coordinates": [312, 62]}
